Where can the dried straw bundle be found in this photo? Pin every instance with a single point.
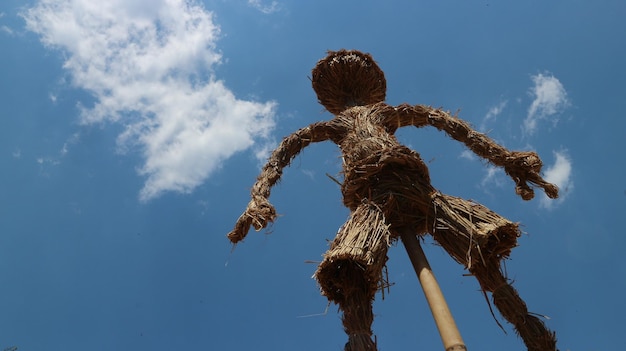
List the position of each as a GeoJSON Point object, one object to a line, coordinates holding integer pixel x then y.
{"type": "Point", "coordinates": [348, 78]}
{"type": "Point", "coordinates": [470, 232]}
{"type": "Point", "coordinates": [361, 246]}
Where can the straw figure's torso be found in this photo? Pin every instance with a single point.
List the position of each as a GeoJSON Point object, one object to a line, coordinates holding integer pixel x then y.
{"type": "Point", "coordinates": [378, 169]}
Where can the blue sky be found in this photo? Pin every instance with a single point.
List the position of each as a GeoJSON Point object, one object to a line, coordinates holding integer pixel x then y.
{"type": "Point", "coordinates": [132, 131]}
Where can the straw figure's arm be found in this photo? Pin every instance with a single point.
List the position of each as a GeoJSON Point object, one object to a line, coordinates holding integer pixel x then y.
{"type": "Point", "coordinates": [522, 166]}
{"type": "Point", "coordinates": [260, 212]}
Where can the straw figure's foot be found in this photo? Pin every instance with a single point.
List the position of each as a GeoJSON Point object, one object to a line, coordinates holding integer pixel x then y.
{"type": "Point", "coordinates": [524, 168]}
{"type": "Point", "coordinates": [258, 214]}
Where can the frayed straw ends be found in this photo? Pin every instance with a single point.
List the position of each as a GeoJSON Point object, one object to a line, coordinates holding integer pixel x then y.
{"type": "Point", "coordinates": [470, 232]}
{"type": "Point", "coordinates": [359, 252]}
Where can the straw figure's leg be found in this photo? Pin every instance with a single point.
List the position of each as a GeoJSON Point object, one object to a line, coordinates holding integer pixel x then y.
{"type": "Point", "coordinates": [479, 239]}
{"type": "Point", "coordinates": [530, 328]}
{"type": "Point", "coordinates": [352, 272]}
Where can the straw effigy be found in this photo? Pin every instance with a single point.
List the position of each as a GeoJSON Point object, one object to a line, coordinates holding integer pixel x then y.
{"type": "Point", "coordinates": [387, 188]}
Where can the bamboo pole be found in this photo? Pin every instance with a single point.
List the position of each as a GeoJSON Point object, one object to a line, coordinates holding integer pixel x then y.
{"type": "Point", "coordinates": [450, 335]}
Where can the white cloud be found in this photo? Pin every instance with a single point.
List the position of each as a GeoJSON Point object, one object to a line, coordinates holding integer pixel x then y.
{"type": "Point", "coordinates": [309, 173]}
{"type": "Point", "coordinates": [73, 139]}
{"type": "Point", "coordinates": [46, 165]}
{"type": "Point", "coordinates": [148, 63]}
{"type": "Point", "coordinates": [468, 155]}
{"type": "Point", "coordinates": [560, 174]}
{"type": "Point", "coordinates": [266, 9]}
{"type": "Point", "coordinates": [6, 29]}
{"type": "Point", "coordinates": [17, 153]}
{"type": "Point", "coordinates": [493, 113]}
{"type": "Point", "coordinates": [494, 176]}
{"type": "Point", "coordinates": [550, 98]}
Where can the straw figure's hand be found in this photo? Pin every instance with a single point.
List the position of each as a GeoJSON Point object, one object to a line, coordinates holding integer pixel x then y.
{"type": "Point", "coordinates": [524, 167]}
{"type": "Point", "coordinates": [258, 214]}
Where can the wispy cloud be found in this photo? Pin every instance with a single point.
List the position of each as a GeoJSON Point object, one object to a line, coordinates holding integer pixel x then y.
{"type": "Point", "coordinates": [17, 153]}
{"type": "Point", "coordinates": [550, 98]}
{"type": "Point", "coordinates": [73, 139]}
{"type": "Point", "coordinates": [6, 30]}
{"type": "Point", "coordinates": [46, 165]}
{"type": "Point", "coordinates": [560, 173]}
{"type": "Point", "coordinates": [149, 66]}
{"type": "Point", "coordinates": [266, 9]}
{"type": "Point", "coordinates": [493, 177]}
{"type": "Point", "coordinates": [493, 112]}
{"type": "Point", "coordinates": [468, 155]}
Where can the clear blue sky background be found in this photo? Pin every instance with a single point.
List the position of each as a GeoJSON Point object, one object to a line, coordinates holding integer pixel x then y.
{"type": "Point", "coordinates": [132, 131]}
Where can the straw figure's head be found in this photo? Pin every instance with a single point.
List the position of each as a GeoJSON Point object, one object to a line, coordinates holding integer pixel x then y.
{"type": "Point", "coordinates": [347, 78]}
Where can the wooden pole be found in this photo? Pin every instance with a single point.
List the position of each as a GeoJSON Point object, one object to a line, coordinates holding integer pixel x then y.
{"type": "Point", "coordinates": [450, 335]}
